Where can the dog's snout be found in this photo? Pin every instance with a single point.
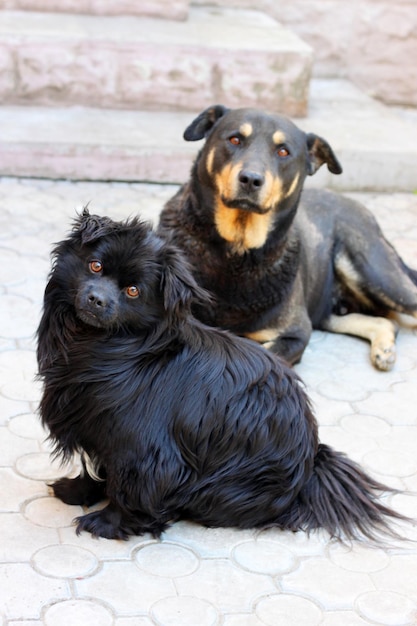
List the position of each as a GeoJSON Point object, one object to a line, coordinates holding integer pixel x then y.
{"type": "Point", "coordinates": [250, 180]}
{"type": "Point", "coordinates": [97, 305]}
{"type": "Point", "coordinates": [97, 300]}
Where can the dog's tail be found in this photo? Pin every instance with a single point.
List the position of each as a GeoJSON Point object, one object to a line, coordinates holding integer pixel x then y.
{"type": "Point", "coordinates": [341, 498]}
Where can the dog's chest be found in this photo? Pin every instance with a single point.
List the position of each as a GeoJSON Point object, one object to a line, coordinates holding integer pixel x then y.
{"type": "Point", "coordinates": [246, 287]}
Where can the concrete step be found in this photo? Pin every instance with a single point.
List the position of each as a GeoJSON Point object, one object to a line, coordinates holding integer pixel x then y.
{"type": "Point", "coordinates": [167, 9]}
{"type": "Point", "coordinates": [227, 55]}
{"type": "Point", "coordinates": [376, 146]}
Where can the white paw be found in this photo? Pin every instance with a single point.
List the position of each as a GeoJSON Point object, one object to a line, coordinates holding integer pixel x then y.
{"type": "Point", "coordinates": [383, 356]}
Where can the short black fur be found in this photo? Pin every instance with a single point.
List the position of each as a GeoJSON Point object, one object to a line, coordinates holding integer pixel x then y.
{"type": "Point", "coordinates": [174, 419]}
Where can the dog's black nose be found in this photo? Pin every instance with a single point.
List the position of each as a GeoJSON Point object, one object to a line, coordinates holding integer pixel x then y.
{"type": "Point", "coordinates": [97, 300]}
{"type": "Point", "coordinates": [251, 181]}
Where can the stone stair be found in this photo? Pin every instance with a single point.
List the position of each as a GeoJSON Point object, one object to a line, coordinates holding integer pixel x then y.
{"type": "Point", "coordinates": [166, 9]}
{"type": "Point", "coordinates": [131, 62]}
{"type": "Point", "coordinates": [376, 146]}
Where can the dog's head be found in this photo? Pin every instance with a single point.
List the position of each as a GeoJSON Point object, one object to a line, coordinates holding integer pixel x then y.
{"type": "Point", "coordinates": [254, 164]}
{"type": "Point", "coordinates": [120, 275]}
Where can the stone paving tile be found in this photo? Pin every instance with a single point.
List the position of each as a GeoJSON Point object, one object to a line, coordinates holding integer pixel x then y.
{"type": "Point", "coordinates": [136, 594]}
{"type": "Point", "coordinates": [385, 607]}
{"type": "Point", "coordinates": [184, 611]}
{"type": "Point", "coordinates": [20, 538]}
{"type": "Point", "coordinates": [165, 559]}
{"type": "Point", "coordinates": [242, 619]}
{"type": "Point", "coordinates": [362, 559]}
{"type": "Point", "coordinates": [286, 609]}
{"type": "Point", "coordinates": [24, 592]}
{"type": "Point", "coordinates": [76, 612]}
{"type": "Point", "coordinates": [207, 542]}
{"type": "Point", "coordinates": [264, 557]}
{"type": "Point", "coordinates": [15, 490]}
{"type": "Point", "coordinates": [343, 618]}
{"type": "Point", "coordinates": [60, 561]}
{"type": "Point", "coordinates": [330, 585]}
{"type": "Point", "coordinates": [195, 576]}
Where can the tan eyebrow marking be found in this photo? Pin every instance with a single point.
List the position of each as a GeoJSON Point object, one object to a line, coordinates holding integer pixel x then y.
{"type": "Point", "coordinates": [209, 161]}
{"type": "Point", "coordinates": [278, 137]}
{"type": "Point", "coordinates": [246, 129]}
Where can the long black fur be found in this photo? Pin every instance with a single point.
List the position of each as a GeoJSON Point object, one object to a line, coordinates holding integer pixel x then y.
{"type": "Point", "coordinates": [177, 419]}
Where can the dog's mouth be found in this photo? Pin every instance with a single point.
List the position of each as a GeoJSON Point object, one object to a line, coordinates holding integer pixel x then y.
{"type": "Point", "coordinates": [90, 318]}
{"type": "Point", "coordinates": [244, 204]}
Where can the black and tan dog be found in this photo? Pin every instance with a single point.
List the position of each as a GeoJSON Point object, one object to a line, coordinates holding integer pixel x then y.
{"type": "Point", "coordinates": [282, 261]}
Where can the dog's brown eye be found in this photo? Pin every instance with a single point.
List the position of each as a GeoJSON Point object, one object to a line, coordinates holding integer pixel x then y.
{"type": "Point", "coordinates": [95, 266]}
{"type": "Point", "coordinates": [282, 151]}
{"type": "Point", "coordinates": [132, 291]}
{"type": "Point", "coordinates": [234, 140]}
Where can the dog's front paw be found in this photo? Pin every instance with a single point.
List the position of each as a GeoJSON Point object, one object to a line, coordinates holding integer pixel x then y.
{"type": "Point", "coordinates": [383, 357]}
{"type": "Point", "coordinates": [115, 523]}
{"type": "Point", "coordinates": [104, 523]}
{"type": "Point", "coordinates": [383, 353]}
{"type": "Point", "coordinates": [81, 490]}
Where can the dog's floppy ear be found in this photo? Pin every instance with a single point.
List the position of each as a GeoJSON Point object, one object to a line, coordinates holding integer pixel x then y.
{"type": "Point", "coordinates": [203, 124]}
{"type": "Point", "coordinates": [91, 227]}
{"type": "Point", "coordinates": [320, 152]}
{"type": "Point", "coordinates": [178, 285]}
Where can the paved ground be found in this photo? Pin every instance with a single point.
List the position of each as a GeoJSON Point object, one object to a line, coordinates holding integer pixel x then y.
{"type": "Point", "coordinates": [194, 576]}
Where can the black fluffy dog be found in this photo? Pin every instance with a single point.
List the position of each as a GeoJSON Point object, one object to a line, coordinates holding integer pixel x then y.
{"type": "Point", "coordinates": [174, 419]}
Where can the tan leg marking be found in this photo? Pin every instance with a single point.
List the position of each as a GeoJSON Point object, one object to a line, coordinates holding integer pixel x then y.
{"type": "Point", "coordinates": [262, 336]}
{"type": "Point", "coordinates": [349, 275]}
{"type": "Point", "coordinates": [406, 320]}
{"type": "Point", "coordinates": [380, 331]}
{"type": "Point", "coordinates": [265, 337]}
